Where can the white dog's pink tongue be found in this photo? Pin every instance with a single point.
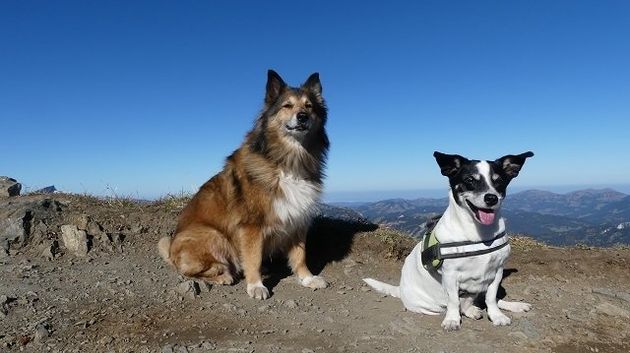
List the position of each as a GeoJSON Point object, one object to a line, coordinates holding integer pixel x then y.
{"type": "Point", "coordinates": [486, 218]}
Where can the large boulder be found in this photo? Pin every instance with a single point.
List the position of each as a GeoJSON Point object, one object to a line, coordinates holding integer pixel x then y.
{"type": "Point", "coordinates": [9, 187]}
{"type": "Point", "coordinates": [75, 239]}
{"type": "Point", "coordinates": [23, 221]}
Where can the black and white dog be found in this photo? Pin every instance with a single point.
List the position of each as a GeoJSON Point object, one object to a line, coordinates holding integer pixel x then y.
{"type": "Point", "coordinates": [464, 253]}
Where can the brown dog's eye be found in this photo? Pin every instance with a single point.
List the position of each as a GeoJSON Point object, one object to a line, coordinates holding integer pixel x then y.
{"type": "Point", "coordinates": [287, 105]}
{"type": "Point", "coordinates": [308, 105]}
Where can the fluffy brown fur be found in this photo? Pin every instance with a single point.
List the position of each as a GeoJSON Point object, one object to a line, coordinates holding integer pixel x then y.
{"type": "Point", "coordinates": [263, 199]}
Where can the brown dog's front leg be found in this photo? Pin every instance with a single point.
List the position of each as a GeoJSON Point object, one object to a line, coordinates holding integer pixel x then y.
{"type": "Point", "coordinates": [297, 261]}
{"type": "Point", "coordinates": [251, 247]}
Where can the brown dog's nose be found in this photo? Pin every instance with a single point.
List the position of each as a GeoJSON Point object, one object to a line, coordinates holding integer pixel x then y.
{"type": "Point", "coordinates": [302, 117]}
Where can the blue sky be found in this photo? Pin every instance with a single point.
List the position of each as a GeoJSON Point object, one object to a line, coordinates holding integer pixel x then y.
{"type": "Point", "coordinates": [147, 98]}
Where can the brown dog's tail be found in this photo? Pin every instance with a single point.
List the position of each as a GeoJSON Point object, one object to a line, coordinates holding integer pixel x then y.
{"type": "Point", "coordinates": [164, 248]}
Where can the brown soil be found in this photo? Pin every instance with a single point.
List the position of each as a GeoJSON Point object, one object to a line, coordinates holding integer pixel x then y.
{"type": "Point", "coordinates": [121, 297]}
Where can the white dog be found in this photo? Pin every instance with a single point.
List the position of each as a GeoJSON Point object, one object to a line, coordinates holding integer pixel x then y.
{"type": "Point", "coordinates": [463, 256]}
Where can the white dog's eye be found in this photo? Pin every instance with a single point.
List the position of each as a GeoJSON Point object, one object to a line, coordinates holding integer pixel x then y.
{"type": "Point", "coordinates": [469, 180]}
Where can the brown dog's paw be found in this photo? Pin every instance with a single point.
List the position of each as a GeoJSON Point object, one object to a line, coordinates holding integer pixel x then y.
{"type": "Point", "coordinates": [314, 282]}
{"type": "Point", "coordinates": [257, 291]}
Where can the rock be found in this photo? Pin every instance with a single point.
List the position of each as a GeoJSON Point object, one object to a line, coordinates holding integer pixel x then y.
{"type": "Point", "coordinates": [50, 249]}
{"type": "Point", "coordinates": [12, 230]}
{"type": "Point", "coordinates": [528, 329]}
{"type": "Point", "coordinates": [9, 187]}
{"type": "Point", "coordinates": [182, 349]}
{"type": "Point", "coordinates": [518, 335]}
{"type": "Point", "coordinates": [74, 240]}
{"type": "Point", "coordinates": [612, 310]}
{"type": "Point", "coordinates": [80, 220]}
{"type": "Point", "coordinates": [609, 293]}
{"type": "Point", "coordinates": [23, 221]}
{"type": "Point", "coordinates": [95, 229]}
{"type": "Point", "coordinates": [204, 287]}
{"type": "Point", "coordinates": [167, 349]}
{"type": "Point", "coordinates": [41, 332]}
{"type": "Point", "coordinates": [291, 304]}
{"type": "Point", "coordinates": [209, 346]}
{"type": "Point", "coordinates": [189, 289]}
{"type": "Point", "coordinates": [46, 190]}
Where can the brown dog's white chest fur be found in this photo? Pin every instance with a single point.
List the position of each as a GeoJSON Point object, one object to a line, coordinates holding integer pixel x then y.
{"type": "Point", "coordinates": [297, 202]}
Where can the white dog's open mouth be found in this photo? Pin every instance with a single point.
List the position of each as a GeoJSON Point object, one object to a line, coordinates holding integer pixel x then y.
{"type": "Point", "coordinates": [485, 216]}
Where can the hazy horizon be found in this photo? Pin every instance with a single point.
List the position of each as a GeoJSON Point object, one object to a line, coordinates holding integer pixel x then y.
{"type": "Point", "coordinates": [351, 196]}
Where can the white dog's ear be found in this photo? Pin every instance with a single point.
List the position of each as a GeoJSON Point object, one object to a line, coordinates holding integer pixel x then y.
{"type": "Point", "coordinates": [450, 164]}
{"type": "Point", "coordinates": [313, 84]}
{"type": "Point", "coordinates": [512, 164]}
{"type": "Point", "coordinates": [275, 86]}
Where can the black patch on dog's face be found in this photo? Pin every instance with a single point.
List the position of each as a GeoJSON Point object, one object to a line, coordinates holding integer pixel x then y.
{"type": "Point", "coordinates": [480, 186]}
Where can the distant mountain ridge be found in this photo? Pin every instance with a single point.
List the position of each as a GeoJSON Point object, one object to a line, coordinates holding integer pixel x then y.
{"type": "Point", "coordinates": [598, 217]}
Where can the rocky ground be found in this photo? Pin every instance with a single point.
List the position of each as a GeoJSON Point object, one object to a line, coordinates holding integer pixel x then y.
{"type": "Point", "coordinates": [81, 274]}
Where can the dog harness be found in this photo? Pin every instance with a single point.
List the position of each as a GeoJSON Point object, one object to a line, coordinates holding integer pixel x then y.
{"type": "Point", "coordinates": [434, 253]}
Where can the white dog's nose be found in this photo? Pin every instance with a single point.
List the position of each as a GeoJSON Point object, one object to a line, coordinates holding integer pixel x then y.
{"type": "Point", "coordinates": [490, 199]}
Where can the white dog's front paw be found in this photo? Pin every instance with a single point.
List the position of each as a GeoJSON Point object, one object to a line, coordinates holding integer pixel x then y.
{"type": "Point", "coordinates": [314, 282]}
{"type": "Point", "coordinates": [515, 307]}
{"type": "Point", "coordinates": [451, 325]}
{"type": "Point", "coordinates": [499, 319]}
{"type": "Point", "coordinates": [473, 312]}
{"type": "Point", "coordinates": [257, 291]}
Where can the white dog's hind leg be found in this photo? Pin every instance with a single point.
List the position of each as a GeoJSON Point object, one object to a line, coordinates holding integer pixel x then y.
{"type": "Point", "coordinates": [385, 288]}
{"type": "Point", "coordinates": [494, 313]}
{"type": "Point", "coordinates": [515, 307]}
{"type": "Point", "coordinates": [468, 308]}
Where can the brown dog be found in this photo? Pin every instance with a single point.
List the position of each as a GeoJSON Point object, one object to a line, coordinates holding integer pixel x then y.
{"type": "Point", "coordinates": [264, 198]}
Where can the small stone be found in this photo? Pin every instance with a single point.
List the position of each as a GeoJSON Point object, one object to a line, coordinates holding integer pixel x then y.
{"type": "Point", "coordinates": [189, 289]}
{"type": "Point", "coordinates": [612, 310]}
{"type": "Point", "coordinates": [50, 250]}
{"type": "Point", "coordinates": [81, 221]}
{"type": "Point", "coordinates": [291, 304]}
{"type": "Point", "coordinates": [167, 349]}
{"type": "Point", "coordinates": [182, 349]}
{"type": "Point", "coordinates": [41, 332]}
{"type": "Point", "coordinates": [306, 350]}
{"type": "Point", "coordinates": [204, 287]}
{"type": "Point", "coordinates": [208, 346]}
{"type": "Point", "coordinates": [518, 335]}
{"type": "Point", "coordinates": [106, 340]}
{"type": "Point", "coordinates": [230, 307]}
{"type": "Point", "coordinates": [263, 308]}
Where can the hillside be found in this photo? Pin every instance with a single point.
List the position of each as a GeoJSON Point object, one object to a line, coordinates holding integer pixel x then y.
{"type": "Point", "coordinates": [592, 217]}
{"type": "Point", "coordinates": [112, 292]}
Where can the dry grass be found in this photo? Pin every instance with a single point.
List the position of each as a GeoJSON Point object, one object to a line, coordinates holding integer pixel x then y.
{"type": "Point", "coordinates": [524, 241]}
{"type": "Point", "coordinates": [173, 202]}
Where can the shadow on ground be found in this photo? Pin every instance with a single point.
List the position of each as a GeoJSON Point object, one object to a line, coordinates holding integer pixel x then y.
{"type": "Point", "coordinates": [328, 240]}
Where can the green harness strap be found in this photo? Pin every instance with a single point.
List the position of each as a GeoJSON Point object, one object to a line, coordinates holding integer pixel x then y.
{"type": "Point", "coordinates": [431, 242]}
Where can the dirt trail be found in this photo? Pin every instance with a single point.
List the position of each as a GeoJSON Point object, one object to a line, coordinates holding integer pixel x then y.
{"type": "Point", "coordinates": [121, 297]}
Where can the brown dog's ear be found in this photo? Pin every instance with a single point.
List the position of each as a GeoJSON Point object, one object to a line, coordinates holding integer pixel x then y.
{"type": "Point", "coordinates": [275, 86]}
{"type": "Point", "coordinates": [313, 84]}
{"type": "Point", "coordinates": [449, 163]}
{"type": "Point", "coordinates": [512, 164]}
